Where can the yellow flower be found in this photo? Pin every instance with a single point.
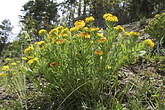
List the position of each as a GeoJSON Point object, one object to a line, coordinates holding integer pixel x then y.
{"type": "Point", "coordinates": [61, 41]}
{"type": "Point", "coordinates": [35, 58]}
{"type": "Point", "coordinates": [53, 32]}
{"type": "Point", "coordinates": [88, 19]}
{"type": "Point", "coordinates": [102, 40]}
{"type": "Point", "coordinates": [2, 74]}
{"type": "Point", "coordinates": [13, 64]}
{"type": "Point", "coordinates": [79, 24]}
{"type": "Point", "coordinates": [66, 30]}
{"type": "Point", "coordinates": [150, 43]}
{"type": "Point", "coordinates": [91, 41]}
{"type": "Point", "coordinates": [30, 57]}
{"type": "Point", "coordinates": [5, 68]}
{"type": "Point", "coordinates": [131, 33]}
{"type": "Point", "coordinates": [100, 35]}
{"type": "Point", "coordinates": [59, 28]}
{"type": "Point", "coordinates": [41, 48]}
{"type": "Point", "coordinates": [18, 61]}
{"type": "Point", "coordinates": [32, 60]}
{"type": "Point", "coordinates": [107, 15]}
{"type": "Point", "coordinates": [54, 64]}
{"type": "Point", "coordinates": [85, 35]}
{"type": "Point", "coordinates": [94, 29]}
{"type": "Point", "coordinates": [98, 52]}
{"type": "Point", "coordinates": [53, 40]}
{"type": "Point", "coordinates": [64, 35]}
{"type": "Point", "coordinates": [126, 33]}
{"type": "Point", "coordinates": [8, 59]}
{"type": "Point", "coordinates": [136, 33]}
{"type": "Point", "coordinates": [42, 32]}
{"type": "Point", "coordinates": [47, 44]}
{"type": "Point", "coordinates": [28, 49]}
{"type": "Point", "coordinates": [24, 58]}
{"type": "Point", "coordinates": [151, 21]}
{"type": "Point", "coordinates": [111, 18]}
{"type": "Point", "coordinates": [86, 29]}
{"type": "Point", "coordinates": [73, 29]}
{"type": "Point", "coordinates": [40, 43]}
{"type": "Point", "coordinates": [157, 15]}
{"type": "Point", "coordinates": [118, 27]}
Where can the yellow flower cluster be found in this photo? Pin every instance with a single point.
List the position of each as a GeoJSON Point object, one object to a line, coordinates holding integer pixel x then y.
{"type": "Point", "coordinates": [86, 29]}
{"type": "Point", "coordinates": [30, 48]}
{"type": "Point", "coordinates": [40, 43]}
{"type": "Point", "coordinates": [42, 32]}
{"type": "Point", "coordinates": [119, 28]}
{"type": "Point", "coordinates": [110, 17]}
{"type": "Point", "coordinates": [53, 33]}
{"type": "Point", "coordinates": [85, 35]}
{"type": "Point", "coordinates": [59, 28]}
{"type": "Point", "coordinates": [32, 60]}
{"type": "Point", "coordinates": [56, 31]}
{"type": "Point", "coordinates": [79, 24]}
{"type": "Point", "coordinates": [107, 15]}
{"type": "Point", "coordinates": [131, 33]}
{"type": "Point", "coordinates": [61, 41]}
{"type": "Point", "coordinates": [66, 30]}
{"type": "Point", "coordinates": [156, 17]}
{"type": "Point", "coordinates": [150, 43]}
{"type": "Point", "coordinates": [94, 29]}
{"type": "Point", "coordinates": [89, 19]}
{"type": "Point", "coordinates": [5, 68]}
{"type": "Point", "coordinates": [73, 29]}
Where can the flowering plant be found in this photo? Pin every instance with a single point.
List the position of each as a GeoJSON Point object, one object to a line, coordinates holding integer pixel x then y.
{"type": "Point", "coordinates": [156, 26]}
{"type": "Point", "coordinates": [80, 63]}
{"type": "Point", "coordinates": [14, 81]}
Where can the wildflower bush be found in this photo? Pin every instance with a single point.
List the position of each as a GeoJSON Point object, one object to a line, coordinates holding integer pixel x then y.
{"type": "Point", "coordinates": [76, 65]}
{"type": "Point", "coordinates": [14, 83]}
{"type": "Point", "coordinates": [156, 30]}
{"type": "Point", "coordinates": [155, 27]}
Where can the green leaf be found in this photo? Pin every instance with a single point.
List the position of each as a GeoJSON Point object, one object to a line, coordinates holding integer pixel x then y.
{"type": "Point", "coordinates": [141, 53]}
{"type": "Point", "coordinates": [163, 50]}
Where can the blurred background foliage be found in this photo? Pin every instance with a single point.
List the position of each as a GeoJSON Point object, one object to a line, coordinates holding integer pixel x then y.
{"type": "Point", "coordinates": [48, 14]}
